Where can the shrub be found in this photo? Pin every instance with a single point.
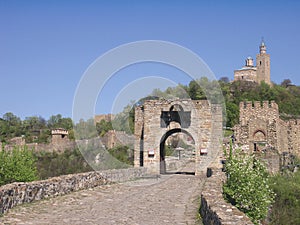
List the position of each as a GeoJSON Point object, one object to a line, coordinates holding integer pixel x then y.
{"type": "Point", "coordinates": [286, 208]}
{"type": "Point", "coordinates": [17, 165]}
{"type": "Point", "coordinates": [121, 153]}
{"type": "Point", "coordinates": [247, 185]}
{"type": "Point", "coordinates": [51, 164]}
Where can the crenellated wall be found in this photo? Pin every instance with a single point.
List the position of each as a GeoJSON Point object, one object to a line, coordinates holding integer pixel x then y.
{"type": "Point", "coordinates": [260, 124]}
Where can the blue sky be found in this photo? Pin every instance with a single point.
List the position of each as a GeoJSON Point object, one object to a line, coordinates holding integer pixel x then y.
{"type": "Point", "coordinates": [45, 47]}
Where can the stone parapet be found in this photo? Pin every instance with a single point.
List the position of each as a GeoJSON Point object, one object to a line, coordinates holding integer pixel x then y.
{"type": "Point", "coordinates": [261, 127]}
{"type": "Point", "coordinates": [214, 209]}
{"type": "Point", "coordinates": [15, 194]}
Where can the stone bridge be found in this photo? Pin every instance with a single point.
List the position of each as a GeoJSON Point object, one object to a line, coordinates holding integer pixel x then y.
{"type": "Point", "coordinates": [168, 199]}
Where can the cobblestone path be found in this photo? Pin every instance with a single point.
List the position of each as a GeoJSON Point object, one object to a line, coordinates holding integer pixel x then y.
{"type": "Point", "coordinates": [170, 199]}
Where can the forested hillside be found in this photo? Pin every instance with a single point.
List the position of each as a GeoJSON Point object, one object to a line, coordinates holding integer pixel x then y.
{"type": "Point", "coordinates": [33, 129]}
{"type": "Point", "coordinates": [286, 95]}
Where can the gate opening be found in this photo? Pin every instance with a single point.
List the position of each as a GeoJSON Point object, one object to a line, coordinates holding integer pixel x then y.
{"type": "Point", "coordinates": [177, 152]}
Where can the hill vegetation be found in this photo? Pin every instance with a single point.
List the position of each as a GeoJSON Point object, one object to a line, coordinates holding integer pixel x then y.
{"type": "Point", "coordinates": [37, 129]}
{"type": "Point", "coordinates": [286, 208]}
{"type": "Point", "coordinates": [286, 95]}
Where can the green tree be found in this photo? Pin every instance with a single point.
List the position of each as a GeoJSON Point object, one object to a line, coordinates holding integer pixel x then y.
{"type": "Point", "coordinates": [247, 185]}
{"type": "Point", "coordinates": [57, 121]}
{"type": "Point", "coordinates": [232, 114]}
{"type": "Point", "coordinates": [18, 165]}
{"type": "Point", "coordinates": [103, 127]}
{"type": "Point", "coordinates": [54, 121]}
{"type": "Point", "coordinates": [195, 91]}
{"type": "Point", "coordinates": [11, 126]}
{"type": "Point", "coordinates": [85, 129]}
{"type": "Point", "coordinates": [285, 83]}
{"type": "Point", "coordinates": [35, 129]}
{"type": "Point", "coordinates": [121, 153]}
{"type": "Point", "coordinates": [52, 164]}
{"type": "Point", "coordinates": [124, 121]}
{"type": "Point", "coordinates": [286, 208]}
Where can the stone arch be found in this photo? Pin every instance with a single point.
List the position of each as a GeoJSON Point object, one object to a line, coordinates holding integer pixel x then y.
{"type": "Point", "coordinates": [153, 124]}
{"type": "Point", "coordinates": [259, 135]}
{"type": "Point", "coordinates": [162, 145]}
{"type": "Point", "coordinates": [176, 107]}
{"type": "Point", "coordinates": [259, 139]}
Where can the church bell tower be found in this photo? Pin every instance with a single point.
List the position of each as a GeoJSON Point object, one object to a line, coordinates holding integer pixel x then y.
{"type": "Point", "coordinates": [263, 64]}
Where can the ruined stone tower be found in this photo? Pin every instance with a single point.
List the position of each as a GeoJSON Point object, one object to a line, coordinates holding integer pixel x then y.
{"type": "Point", "coordinates": [261, 127]}
{"type": "Point", "coordinates": [263, 64]}
{"type": "Point", "coordinates": [156, 120]}
{"type": "Point", "coordinates": [59, 136]}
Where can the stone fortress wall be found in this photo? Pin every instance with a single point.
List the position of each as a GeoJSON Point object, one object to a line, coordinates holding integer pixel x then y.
{"type": "Point", "coordinates": [60, 141]}
{"type": "Point", "coordinates": [114, 138]}
{"type": "Point", "coordinates": [106, 117]}
{"type": "Point", "coordinates": [261, 128]}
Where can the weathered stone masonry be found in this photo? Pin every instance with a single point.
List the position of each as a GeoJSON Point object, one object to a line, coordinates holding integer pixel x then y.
{"type": "Point", "coordinates": [155, 120]}
{"type": "Point", "coordinates": [18, 193]}
{"type": "Point", "coordinates": [261, 125]}
{"type": "Point", "coordinates": [214, 209]}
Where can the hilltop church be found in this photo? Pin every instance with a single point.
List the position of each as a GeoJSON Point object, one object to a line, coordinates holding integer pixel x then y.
{"type": "Point", "coordinates": [258, 73]}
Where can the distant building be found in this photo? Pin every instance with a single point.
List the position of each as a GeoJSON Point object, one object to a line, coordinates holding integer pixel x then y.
{"type": "Point", "coordinates": [59, 135]}
{"type": "Point", "coordinates": [106, 117]}
{"type": "Point", "coordinates": [114, 138]}
{"type": "Point", "coordinates": [258, 73]}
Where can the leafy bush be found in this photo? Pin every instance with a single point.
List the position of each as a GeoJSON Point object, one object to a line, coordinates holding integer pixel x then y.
{"type": "Point", "coordinates": [103, 127]}
{"type": "Point", "coordinates": [247, 185]}
{"type": "Point", "coordinates": [286, 208]}
{"type": "Point", "coordinates": [18, 165]}
{"type": "Point", "coordinates": [52, 164]}
{"type": "Point", "coordinates": [121, 153]}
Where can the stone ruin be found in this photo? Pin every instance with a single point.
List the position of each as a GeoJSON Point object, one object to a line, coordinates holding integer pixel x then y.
{"type": "Point", "coordinates": [59, 142]}
{"type": "Point", "coordinates": [156, 120]}
{"type": "Point", "coordinates": [261, 130]}
{"type": "Point", "coordinates": [59, 135]}
{"type": "Point", "coordinates": [114, 138]}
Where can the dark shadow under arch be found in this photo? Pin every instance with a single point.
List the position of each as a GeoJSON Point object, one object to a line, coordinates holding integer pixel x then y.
{"type": "Point", "coordinates": [162, 147]}
{"type": "Point", "coordinates": [177, 107]}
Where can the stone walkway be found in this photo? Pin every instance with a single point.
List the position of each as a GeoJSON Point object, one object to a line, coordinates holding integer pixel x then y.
{"type": "Point", "coordinates": [170, 199]}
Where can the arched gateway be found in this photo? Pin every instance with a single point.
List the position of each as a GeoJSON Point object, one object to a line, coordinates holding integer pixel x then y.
{"type": "Point", "coordinates": [156, 120]}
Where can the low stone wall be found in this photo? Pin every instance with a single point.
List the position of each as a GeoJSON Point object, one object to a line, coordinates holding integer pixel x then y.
{"type": "Point", "coordinates": [19, 193]}
{"type": "Point", "coordinates": [122, 175]}
{"type": "Point", "coordinates": [214, 209]}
